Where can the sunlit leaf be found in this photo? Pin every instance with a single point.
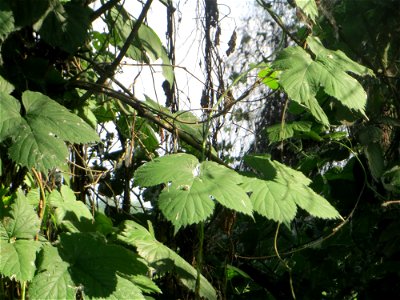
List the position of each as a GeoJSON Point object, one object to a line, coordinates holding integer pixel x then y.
{"type": "Point", "coordinates": [40, 139]}
{"type": "Point", "coordinates": [178, 168]}
{"type": "Point", "coordinates": [186, 204]}
{"type": "Point", "coordinates": [280, 189]}
{"type": "Point", "coordinates": [41, 111]}
{"type": "Point", "coordinates": [302, 77]}
{"type": "Point", "coordinates": [194, 187]}
{"type": "Point", "coordinates": [269, 78]}
{"type": "Point", "coordinates": [17, 259]}
{"type": "Point", "coordinates": [21, 221]}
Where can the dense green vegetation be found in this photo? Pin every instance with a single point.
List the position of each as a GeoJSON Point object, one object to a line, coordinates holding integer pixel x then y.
{"type": "Point", "coordinates": [107, 194]}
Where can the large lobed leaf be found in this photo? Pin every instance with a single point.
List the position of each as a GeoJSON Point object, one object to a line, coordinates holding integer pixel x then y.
{"type": "Point", "coordinates": [38, 137]}
{"type": "Point", "coordinates": [86, 262]}
{"type": "Point", "coordinates": [302, 77]}
{"type": "Point", "coordinates": [41, 111]}
{"type": "Point", "coordinates": [280, 189]}
{"type": "Point", "coordinates": [164, 259]}
{"type": "Point", "coordinates": [18, 227]}
{"type": "Point", "coordinates": [52, 280]}
{"type": "Point", "coordinates": [191, 187]}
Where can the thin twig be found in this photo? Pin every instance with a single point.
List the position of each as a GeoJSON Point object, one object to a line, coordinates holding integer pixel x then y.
{"type": "Point", "coordinates": [386, 203]}
{"type": "Point", "coordinates": [278, 21]}
{"type": "Point", "coordinates": [145, 111]}
{"type": "Point", "coordinates": [42, 200]}
{"type": "Point", "coordinates": [109, 73]}
{"type": "Point", "coordinates": [107, 6]}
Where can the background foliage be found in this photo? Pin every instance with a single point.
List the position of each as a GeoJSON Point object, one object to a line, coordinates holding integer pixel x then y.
{"type": "Point", "coordinates": [107, 194]}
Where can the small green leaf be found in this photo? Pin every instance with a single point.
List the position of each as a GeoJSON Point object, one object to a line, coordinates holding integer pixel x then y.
{"type": "Point", "coordinates": [72, 214]}
{"type": "Point", "coordinates": [21, 221]}
{"type": "Point", "coordinates": [164, 259]}
{"type": "Point", "coordinates": [232, 271]}
{"type": "Point", "coordinates": [167, 68]}
{"type": "Point", "coordinates": [336, 136]}
{"type": "Point", "coordinates": [121, 28]}
{"type": "Point", "coordinates": [154, 48]}
{"type": "Point", "coordinates": [277, 132]}
{"type": "Point", "coordinates": [5, 86]}
{"type": "Point", "coordinates": [145, 133]}
{"type": "Point", "coordinates": [146, 45]}
{"type": "Point", "coordinates": [189, 123]}
{"type": "Point", "coordinates": [269, 78]}
{"type": "Point", "coordinates": [309, 7]}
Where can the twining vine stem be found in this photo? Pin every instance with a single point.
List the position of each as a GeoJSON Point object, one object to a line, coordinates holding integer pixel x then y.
{"type": "Point", "coordinates": [283, 261]}
{"type": "Point", "coordinates": [42, 200]}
